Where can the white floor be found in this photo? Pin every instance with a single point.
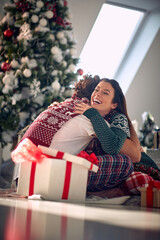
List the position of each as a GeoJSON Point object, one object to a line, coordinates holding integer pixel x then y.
{"type": "Point", "coordinates": [22, 219]}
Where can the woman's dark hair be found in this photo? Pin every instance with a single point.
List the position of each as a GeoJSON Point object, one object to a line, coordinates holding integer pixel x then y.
{"type": "Point", "coordinates": [86, 86]}
{"type": "Point", "coordinates": [119, 97]}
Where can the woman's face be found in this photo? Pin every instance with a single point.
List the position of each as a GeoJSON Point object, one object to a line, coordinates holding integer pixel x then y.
{"type": "Point", "coordinates": [102, 97]}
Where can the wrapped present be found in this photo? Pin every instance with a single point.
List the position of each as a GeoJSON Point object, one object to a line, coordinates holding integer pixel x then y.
{"type": "Point", "coordinates": [56, 176]}
{"type": "Point", "coordinates": [150, 196]}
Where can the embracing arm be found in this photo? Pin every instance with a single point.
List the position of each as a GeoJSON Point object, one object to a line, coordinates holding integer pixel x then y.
{"type": "Point", "coordinates": [131, 146]}
{"type": "Point", "coordinates": [112, 139]}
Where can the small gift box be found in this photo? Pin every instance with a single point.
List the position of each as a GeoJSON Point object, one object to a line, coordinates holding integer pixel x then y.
{"type": "Point", "coordinates": [53, 174]}
{"type": "Point", "coordinates": [150, 196]}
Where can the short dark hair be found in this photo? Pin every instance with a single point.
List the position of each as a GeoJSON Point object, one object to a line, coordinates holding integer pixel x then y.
{"type": "Point", "coordinates": [86, 86]}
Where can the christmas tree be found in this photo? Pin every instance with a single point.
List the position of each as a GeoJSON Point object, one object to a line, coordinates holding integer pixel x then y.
{"type": "Point", "coordinates": [37, 61]}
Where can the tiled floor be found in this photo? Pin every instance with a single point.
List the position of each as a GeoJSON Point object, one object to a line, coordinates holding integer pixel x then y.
{"type": "Point", "coordinates": [22, 219]}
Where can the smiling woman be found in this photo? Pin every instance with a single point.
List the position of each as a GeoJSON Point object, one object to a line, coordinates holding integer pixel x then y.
{"type": "Point", "coordinates": [102, 98]}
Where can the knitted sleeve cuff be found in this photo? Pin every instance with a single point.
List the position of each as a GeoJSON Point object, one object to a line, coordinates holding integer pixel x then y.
{"type": "Point", "coordinates": [89, 113]}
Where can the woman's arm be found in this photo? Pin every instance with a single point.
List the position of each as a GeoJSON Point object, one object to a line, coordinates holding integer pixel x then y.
{"type": "Point", "coordinates": [114, 140]}
{"type": "Point", "coordinates": [131, 146]}
{"type": "Point", "coordinates": [111, 139]}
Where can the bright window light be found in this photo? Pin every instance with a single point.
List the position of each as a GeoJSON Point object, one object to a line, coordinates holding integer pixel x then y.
{"type": "Point", "coordinates": [109, 40]}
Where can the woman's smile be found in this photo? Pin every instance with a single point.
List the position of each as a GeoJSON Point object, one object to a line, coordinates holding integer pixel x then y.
{"type": "Point", "coordinates": [102, 98]}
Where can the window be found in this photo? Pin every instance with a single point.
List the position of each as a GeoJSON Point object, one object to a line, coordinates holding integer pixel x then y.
{"type": "Point", "coordinates": [109, 40]}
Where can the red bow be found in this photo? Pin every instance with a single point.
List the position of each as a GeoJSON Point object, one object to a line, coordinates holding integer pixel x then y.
{"type": "Point", "coordinates": [154, 184]}
{"type": "Point", "coordinates": [91, 158]}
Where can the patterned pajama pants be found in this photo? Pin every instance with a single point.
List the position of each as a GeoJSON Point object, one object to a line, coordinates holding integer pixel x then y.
{"type": "Point", "coordinates": [113, 170]}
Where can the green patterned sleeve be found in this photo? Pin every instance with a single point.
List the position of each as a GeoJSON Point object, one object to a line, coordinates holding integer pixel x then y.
{"type": "Point", "coordinates": [112, 139]}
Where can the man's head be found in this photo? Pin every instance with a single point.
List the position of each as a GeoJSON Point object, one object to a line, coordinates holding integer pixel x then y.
{"type": "Point", "coordinates": [86, 86]}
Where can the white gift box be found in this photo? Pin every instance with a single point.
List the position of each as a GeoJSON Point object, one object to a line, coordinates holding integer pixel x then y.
{"type": "Point", "coordinates": [63, 178]}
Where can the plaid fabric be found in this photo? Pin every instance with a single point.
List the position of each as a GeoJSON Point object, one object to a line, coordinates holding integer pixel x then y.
{"type": "Point", "coordinates": [113, 169]}
{"type": "Point", "coordinates": [135, 181]}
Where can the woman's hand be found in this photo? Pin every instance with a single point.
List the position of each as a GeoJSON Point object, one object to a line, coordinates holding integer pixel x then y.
{"type": "Point", "coordinates": [80, 108]}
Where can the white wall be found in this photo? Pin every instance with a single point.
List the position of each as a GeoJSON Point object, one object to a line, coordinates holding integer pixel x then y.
{"type": "Point", "coordinates": [144, 92]}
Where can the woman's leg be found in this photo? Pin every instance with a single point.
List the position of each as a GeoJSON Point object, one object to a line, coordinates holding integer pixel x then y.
{"type": "Point", "coordinates": [113, 169]}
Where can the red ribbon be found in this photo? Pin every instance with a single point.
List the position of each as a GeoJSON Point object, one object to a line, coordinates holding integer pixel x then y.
{"type": "Point", "coordinates": [152, 184]}
{"type": "Point", "coordinates": [32, 177]}
{"type": "Point", "coordinates": [66, 180]}
{"type": "Point", "coordinates": [67, 175]}
{"type": "Point", "coordinates": [91, 158]}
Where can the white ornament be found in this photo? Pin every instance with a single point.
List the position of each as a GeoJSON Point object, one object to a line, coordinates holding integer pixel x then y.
{"type": "Point", "coordinates": [10, 80]}
{"type": "Point", "coordinates": [6, 89]}
{"type": "Point", "coordinates": [18, 73]}
{"type": "Point", "coordinates": [39, 4]}
{"type": "Point", "coordinates": [24, 60]}
{"type": "Point", "coordinates": [14, 64]}
{"type": "Point", "coordinates": [27, 73]}
{"type": "Point", "coordinates": [32, 63]}
{"type": "Point", "coordinates": [36, 10]}
{"type": "Point", "coordinates": [71, 67]}
{"type": "Point", "coordinates": [44, 29]}
{"type": "Point", "coordinates": [58, 57]}
{"type": "Point", "coordinates": [25, 15]}
{"type": "Point", "coordinates": [6, 80]}
{"type": "Point", "coordinates": [43, 22]}
{"type": "Point", "coordinates": [60, 35]}
{"type": "Point", "coordinates": [55, 50]}
{"type": "Point", "coordinates": [52, 37]}
{"type": "Point", "coordinates": [63, 40]}
{"type": "Point", "coordinates": [73, 51]}
{"type": "Point", "coordinates": [16, 97]}
{"type": "Point", "coordinates": [25, 32]}
{"type": "Point", "coordinates": [34, 18]}
{"type": "Point", "coordinates": [64, 63]}
{"type": "Point", "coordinates": [56, 85]}
{"type": "Point", "coordinates": [54, 73]}
{"type": "Point", "coordinates": [49, 14]}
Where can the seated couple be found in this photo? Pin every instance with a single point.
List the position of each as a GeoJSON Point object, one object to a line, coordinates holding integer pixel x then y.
{"type": "Point", "coordinates": [96, 113]}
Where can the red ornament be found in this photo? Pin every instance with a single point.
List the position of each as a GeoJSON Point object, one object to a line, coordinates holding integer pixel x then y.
{"type": "Point", "coordinates": [65, 3]}
{"type": "Point", "coordinates": [5, 66]}
{"type": "Point", "coordinates": [80, 72]}
{"type": "Point", "coordinates": [8, 33]}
